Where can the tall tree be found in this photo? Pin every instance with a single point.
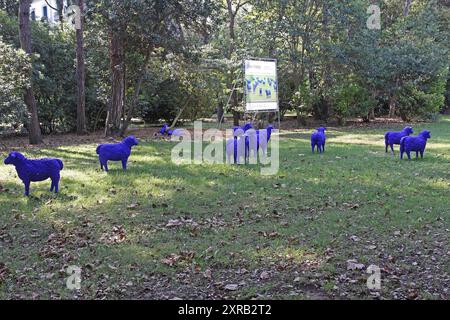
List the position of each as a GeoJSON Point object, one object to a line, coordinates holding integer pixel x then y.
{"type": "Point", "coordinates": [34, 130]}
{"type": "Point", "coordinates": [81, 74]}
{"type": "Point", "coordinates": [117, 65]}
{"type": "Point", "coordinates": [233, 10]}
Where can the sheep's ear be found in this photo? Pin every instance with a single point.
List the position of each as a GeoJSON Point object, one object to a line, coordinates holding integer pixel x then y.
{"type": "Point", "coordinates": [12, 155]}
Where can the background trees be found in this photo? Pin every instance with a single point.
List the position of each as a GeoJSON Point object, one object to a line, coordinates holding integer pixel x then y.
{"type": "Point", "coordinates": [153, 59]}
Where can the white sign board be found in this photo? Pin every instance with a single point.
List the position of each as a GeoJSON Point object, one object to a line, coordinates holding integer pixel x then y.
{"type": "Point", "coordinates": [261, 85]}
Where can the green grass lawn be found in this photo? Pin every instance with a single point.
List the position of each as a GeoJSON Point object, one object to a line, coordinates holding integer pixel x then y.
{"type": "Point", "coordinates": [160, 231]}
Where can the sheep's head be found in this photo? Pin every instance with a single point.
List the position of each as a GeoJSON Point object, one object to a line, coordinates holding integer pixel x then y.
{"type": "Point", "coordinates": [321, 129]}
{"type": "Point", "coordinates": [131, 141]}
{"type": "Point", "coordinates": [248, 126]}
{"type": "Point", "coordinates": [164, 128]}
{"type": "Point", "coordinates": [14, 158]}
{"type": "Point", "coordinates": [408, 130]}
{"type": "Point", "coordinates": [425, 134]}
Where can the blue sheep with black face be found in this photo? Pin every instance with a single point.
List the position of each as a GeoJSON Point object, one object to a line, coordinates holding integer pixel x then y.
{"type": "Point", "coordinates": [36, 170]}
{"type": "Point", "coordinates": [318, 139]}
{"type": "Point", "coordinates": [417, 144]}
{"type": "Point", "coordinates": [391, 138]}
{"type": "Point", "coordinates": [116, 152]}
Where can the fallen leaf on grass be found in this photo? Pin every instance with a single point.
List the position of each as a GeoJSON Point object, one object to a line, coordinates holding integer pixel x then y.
{"type": "Point", "coordinates": [171, 259]}
{"type": "Point", "coordinates": [117, 235]}
{"type": "Point", "coordinates": [231, 287]}
{"type": "Point", "coordinates": [133, 206]}
{"type": "Point", "coordinates": [3, 272]}
{"type": "Point", "coordinates": [173, 223]}
{"type": "Point", "coordinates": [354, 265]}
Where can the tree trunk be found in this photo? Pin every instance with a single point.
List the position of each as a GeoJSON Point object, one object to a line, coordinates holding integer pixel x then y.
{"type": "Point", "coordinates": [117, 65]}
{"type": "Point", "coordinates": [326, 72]}
{"type": "Point", "coordinates": [81, 76]}
{"type": "Point", "coordinates": [174, 122]}
{"type": "Point", "coordinates": [137, 90]}
{"type": "Point", "coordinates": [60, 10]}
{"type": "Point", "coordinates": [34, 130]}
{"type": "Point", "coordinates": [220, 112]}
{"type": "Point", "coordinates": [392, 104]}
{"type": "Point", "coordinates": [406, 7]}
{"type": "Point", "coordinates": [234, 100]}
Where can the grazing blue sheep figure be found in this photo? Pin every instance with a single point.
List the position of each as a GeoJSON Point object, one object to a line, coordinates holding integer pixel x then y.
{"type": "Point", "coordinates": [176, 132]}
{"type": "Point", "coordinates": [417, 144]}
{"type": "Point", "coordinates": [263, 138]}
{"type": "Point", "coordinates": [251, 144]}
{"type": "Point", "coordinates": [116, 152]}
{"type": "Point", "coordinates": [236, 147]}
{"type": "Point", "coordinates": [391, 138]}
{"type": "Point", "coordinates": [247, 127]}
{"type": "Point", "coordinates": [164, 128]}
{"type": "Point", "coordinates": [260, 92]}
{"type": "Point", "coordinates": [318, 138]}
{"type": "Point", "coordinates": [36, 170]}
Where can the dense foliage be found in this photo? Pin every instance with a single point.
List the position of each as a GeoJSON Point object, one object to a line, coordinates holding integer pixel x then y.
{"type": "Point", "coordinates": [185, 56]}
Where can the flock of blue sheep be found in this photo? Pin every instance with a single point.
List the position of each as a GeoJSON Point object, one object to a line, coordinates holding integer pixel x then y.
{"type": "Point", "coordinates": [252, 86]}
{"type": "Point", "coordinates": [246, 140]}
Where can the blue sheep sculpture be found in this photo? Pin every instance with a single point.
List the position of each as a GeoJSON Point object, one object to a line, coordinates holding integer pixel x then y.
{"type": "Point", "coordinates": [255, 140]}
{"type": "Point", "coordinates": [116, 152]}
{"type": "Point", "coordinates": [36, 170]}
{"type": "Point", "coordinates": [164, 129]}
{"type": "Point", "coordinates": [235, 148]}
{"type": "Point", "coordinates": [391, 138]}
{"type": "Point", "coordinates": [245, 128]}
{"type": "Point", "coordinates": [417, 144]}
{"type": "Point", "coordinates": [318, 139]}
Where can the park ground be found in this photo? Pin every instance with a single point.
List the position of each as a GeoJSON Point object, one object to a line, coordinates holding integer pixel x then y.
{"type": "Point", "coordinates": [161, 231]}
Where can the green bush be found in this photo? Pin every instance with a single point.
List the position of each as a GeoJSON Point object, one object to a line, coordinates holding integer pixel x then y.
{"type": "Point", "coordinates": [14, 68]}
{"type": "Point", "coordinates": [424, 103]}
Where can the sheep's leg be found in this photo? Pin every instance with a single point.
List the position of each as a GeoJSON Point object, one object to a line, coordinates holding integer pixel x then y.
{"type": "Point", "coordinates": [323, 147]}
{"type": "Point", "coordinates": [27, 188]}
{"type": "Point", "coordinates": [401, 155]}
{"type": "Point", "coordinates": [106, 166]}
{"type": "Point", "coordinates": [417, 154]}
{"type": "Point", "coordinates": [421, 154]}
{"type": "Point", "coordinates": [392, 148]}
{"type": "Point", "coordinates": [408, 153]}
{"type": "Point", "coordinates": [313, 147]}
{"type": "Point", "coordinates": [52, 186]}
{"type": "Point", "coordinates": [124, 164]}
{"type": "Point", "coordinates": [55, 182]}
